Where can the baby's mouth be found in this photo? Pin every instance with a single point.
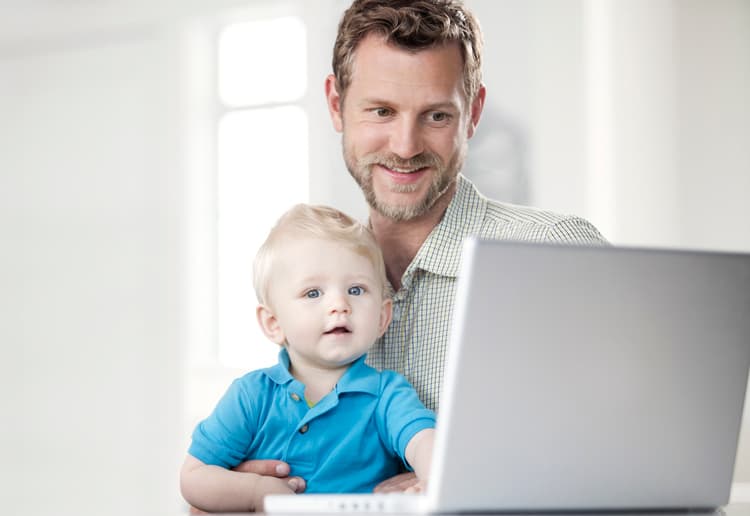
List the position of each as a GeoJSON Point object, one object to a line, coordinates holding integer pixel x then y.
{"type": "Point", "coordinates": [338, 330]}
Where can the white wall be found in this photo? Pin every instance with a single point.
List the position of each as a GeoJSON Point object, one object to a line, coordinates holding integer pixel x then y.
{"type": "Point", "coordinates": [100, 206]}
{"type": "Point", "coordinates": [633, 113]}
{"type": "Point", "coordinates": [679, 124]}
{"type": "Point", "coordinates": [91, 267]}
{"type": "Point", "coordinates": [713, 123]}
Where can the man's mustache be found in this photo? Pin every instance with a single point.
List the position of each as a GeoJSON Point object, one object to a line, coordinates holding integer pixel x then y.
{"type": "Point", "coordinates": [426, 159]}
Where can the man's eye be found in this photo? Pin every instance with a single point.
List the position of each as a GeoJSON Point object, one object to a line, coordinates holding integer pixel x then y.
{"type": "Point", "coordinates": [313, 293]}
{"type": "Point", "coordinates": [383, 112]}
{"type": "Point", "coordinates": [356, 291]}
{"type": "Point", "coordinates": [439, 116]}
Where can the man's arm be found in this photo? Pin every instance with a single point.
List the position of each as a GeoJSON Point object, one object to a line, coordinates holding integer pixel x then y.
{"type": "Point", "coordinates": [216, 489]}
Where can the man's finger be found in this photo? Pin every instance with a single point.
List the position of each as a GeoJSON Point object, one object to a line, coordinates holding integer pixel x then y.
{"type": "Point", "coordinates": [270, 468]}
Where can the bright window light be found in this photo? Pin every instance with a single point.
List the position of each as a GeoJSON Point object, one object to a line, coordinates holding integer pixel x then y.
{"type": "Point", "coordinates": [262, 167]}
{"type": "Point", "coordinates": [262, 62]}
{"type": "Point", "coordinates": [262, 171]}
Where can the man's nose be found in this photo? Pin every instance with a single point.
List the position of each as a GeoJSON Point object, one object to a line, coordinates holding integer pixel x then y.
{"type": "Point", "coordinates": [406, 139]}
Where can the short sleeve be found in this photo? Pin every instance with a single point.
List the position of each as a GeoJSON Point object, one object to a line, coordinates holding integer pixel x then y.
{"type": "Point", "coordinates": [224, 438]}
{"type": "Point", "coordinates": [400, 414]}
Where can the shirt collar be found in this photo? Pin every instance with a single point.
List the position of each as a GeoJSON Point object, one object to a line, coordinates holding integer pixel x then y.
{"type": "Point", "coordinates": [280, 372]}
{"type": "Point", "coordinates": [358, 378]}
{"type": "Point", "coordinates": [441, 252]}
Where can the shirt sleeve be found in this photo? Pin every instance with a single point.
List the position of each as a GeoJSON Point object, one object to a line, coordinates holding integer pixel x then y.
{"type": "Point", "coordinates": [224, 438]}
{"type": "Point", "coordinates": [400, 413]}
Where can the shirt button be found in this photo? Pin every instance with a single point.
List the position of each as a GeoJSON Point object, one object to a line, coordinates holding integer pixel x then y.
{"type": "Point", "coordinates": [303, 429]}
{"type": "Point", "coordinates": [294, 396]}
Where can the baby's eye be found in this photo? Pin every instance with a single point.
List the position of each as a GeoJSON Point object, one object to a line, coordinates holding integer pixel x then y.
{"type": "Point", "coordinates": [313, 293]}
{"type": "Point", "coordinates": [356, 290]}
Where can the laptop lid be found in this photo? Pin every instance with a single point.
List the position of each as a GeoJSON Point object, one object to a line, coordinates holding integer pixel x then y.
{"type": "Point", "coordinates": [583, 378]}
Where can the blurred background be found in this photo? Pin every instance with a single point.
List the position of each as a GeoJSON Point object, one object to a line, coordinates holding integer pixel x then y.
{"type": "Point", "coordinates": [146, 147]}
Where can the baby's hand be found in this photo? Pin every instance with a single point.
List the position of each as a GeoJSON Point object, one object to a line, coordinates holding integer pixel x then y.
{"type": "Point", "coordinates": [270, 485]}
{"type": "Point", "coordinates": [398, 484]}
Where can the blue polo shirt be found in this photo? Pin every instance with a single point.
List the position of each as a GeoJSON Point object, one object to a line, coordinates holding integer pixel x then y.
{"type": "Point", "coordinates": [351, 440]}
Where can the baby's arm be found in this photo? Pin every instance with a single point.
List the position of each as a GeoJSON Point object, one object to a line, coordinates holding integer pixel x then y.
{"type": "Point", "coordinates": [216, 489]}
{"type": "Point", "coordinates": [419, 456]}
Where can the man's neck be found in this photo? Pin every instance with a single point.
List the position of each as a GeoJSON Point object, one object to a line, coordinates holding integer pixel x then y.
{"type": "Point", "coordinates": [400, 241]}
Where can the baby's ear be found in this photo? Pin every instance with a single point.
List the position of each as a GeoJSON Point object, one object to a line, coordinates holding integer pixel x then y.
{"type": "Point", "coordinates": [270, 324]}
{"type": "Point", "coordinates": [386, 312]}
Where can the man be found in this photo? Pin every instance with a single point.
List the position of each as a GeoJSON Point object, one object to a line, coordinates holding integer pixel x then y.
{"type": "Point", "coordinates": [406, 93]}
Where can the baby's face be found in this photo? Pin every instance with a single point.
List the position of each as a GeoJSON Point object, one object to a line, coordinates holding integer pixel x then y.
{"type": "Point", "coordinates": [328, 302]}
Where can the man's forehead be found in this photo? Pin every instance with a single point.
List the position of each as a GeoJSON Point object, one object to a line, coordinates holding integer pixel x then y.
{"type": "Point", "coordinates": [382, 66]}
{"type": "Point", "coordinates": [374, 47]}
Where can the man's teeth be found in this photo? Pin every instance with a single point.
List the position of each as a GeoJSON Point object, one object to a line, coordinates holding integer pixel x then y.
{"type": "Point", "coordinates": [404, 170]}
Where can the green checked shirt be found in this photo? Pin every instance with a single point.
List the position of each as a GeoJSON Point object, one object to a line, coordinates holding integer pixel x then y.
{"type": "Point", "coordinates": [416, 341]}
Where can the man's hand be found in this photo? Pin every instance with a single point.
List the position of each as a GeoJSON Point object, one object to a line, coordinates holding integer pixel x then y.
{"type": "Point", "coordinates": [272, 468]}
{"type": "Point", "coordinates": [399, 483]}
{"type": "Point", "coordinates": [269, 468]}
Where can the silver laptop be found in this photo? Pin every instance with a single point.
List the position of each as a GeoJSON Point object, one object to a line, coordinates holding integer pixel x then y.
{"type": "Point", "coordinates": [584, 379]}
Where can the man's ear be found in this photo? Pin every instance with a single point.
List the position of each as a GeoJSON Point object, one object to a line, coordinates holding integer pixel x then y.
{"type": "Point", "coordinates": [270, 325]}
{"type": "Point", "coordinates": [386, 312]}
{"type": "Point", "coordinates": [334, 103]}
{"type": "Point", "coordinates": [477, 105]}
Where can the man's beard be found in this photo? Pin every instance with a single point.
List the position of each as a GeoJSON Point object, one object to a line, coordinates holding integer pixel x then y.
{"type": "Point", "coordinates": [442, 179]}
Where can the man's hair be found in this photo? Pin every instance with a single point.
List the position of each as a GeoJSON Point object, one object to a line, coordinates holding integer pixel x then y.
{"type": "Point", "coordinates": [319, 222]}
{"type": "Point", "coordinates": [411, 25]}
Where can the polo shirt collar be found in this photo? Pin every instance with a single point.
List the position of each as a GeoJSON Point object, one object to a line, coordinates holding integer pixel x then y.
{"type": "Point", "coordinates": [358, 378]}
{"type": "Point", "coordinates": [280, 372]}
{"type": "Point", "coordinates": [441, 252]}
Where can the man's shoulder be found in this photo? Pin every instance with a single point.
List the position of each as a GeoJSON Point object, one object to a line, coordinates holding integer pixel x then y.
{"type": "Point", "coordinates": [500, 214]}
{"type": "Point", "coordinates": [505, 221]}
{"type": "Point", "coordinates": [498, 220]}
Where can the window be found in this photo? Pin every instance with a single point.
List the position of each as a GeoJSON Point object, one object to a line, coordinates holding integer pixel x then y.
{"type": "Point", "coordinates": [262, 167]}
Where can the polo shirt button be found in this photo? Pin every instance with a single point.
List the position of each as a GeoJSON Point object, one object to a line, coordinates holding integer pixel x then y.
{"type": "Point", "coordinates": [295, 396]}
{"type": "Point", "coordinates": [303, 429]}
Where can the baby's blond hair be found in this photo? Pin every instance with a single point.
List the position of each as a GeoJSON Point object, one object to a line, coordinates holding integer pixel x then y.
{"type": "Point", "coordinates": [322, 222]}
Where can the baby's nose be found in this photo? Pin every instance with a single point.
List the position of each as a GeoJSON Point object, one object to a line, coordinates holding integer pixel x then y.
{"type": "Point", "coordinates": [340, 304]}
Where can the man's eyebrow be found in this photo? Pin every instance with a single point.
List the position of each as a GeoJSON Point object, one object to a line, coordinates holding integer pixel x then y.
{"type": "Point", "coordinates": [438, 106]}
{"type": "Point", "coordinates": [444, 106]}
{"type": "Point", "coordinates": [374, 101]}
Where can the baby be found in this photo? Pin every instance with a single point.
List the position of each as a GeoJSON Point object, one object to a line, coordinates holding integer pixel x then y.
{"type": "Point", "coordinates": [339, 424]}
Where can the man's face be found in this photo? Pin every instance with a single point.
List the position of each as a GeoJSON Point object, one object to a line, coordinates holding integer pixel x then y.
{"type": "Point", "coordinates": [405, 124]}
